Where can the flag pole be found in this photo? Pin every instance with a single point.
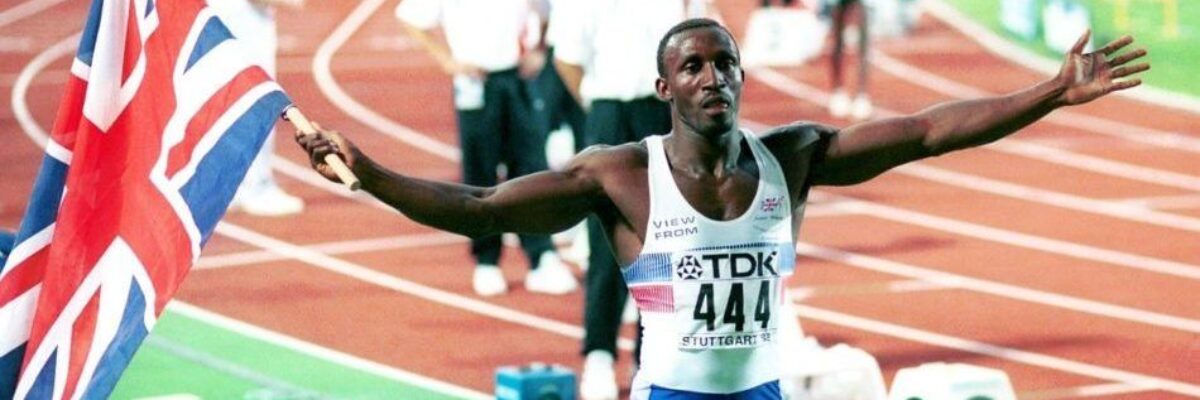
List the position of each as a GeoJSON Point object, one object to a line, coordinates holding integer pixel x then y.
{"type": "Point", "coordinates": [292, 114]}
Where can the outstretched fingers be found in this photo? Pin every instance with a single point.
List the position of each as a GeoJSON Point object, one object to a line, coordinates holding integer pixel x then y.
{"type": "Point", "coordinates": [1081, 43]}
{"type": "Point", "coordinates": [1127, 57]}
{"type": "Point", "coordinates": [1122, 85]}
{"type": "Point", "coordinates": [1115, 45]}
{"type": "Point", "coordinates": [1122, 72]}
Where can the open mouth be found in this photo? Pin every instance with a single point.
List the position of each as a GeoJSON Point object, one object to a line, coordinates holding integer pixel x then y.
{"type": "Point", "coordinates": [717, 103]}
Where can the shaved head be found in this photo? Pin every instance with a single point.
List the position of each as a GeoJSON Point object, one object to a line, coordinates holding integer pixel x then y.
{"type": "Point", "coordinates": [687, 25]}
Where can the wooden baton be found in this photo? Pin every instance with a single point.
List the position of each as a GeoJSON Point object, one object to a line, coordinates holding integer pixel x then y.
{"type": "Point", "coordinates": [292, 114]}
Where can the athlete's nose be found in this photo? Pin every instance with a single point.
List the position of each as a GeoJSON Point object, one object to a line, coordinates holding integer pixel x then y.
{"type": "Point", "coordinates": [714, 79]}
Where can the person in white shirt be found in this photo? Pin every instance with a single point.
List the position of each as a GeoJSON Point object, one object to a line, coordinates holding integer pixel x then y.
{"type": "Point", "coordinates": [605, 52]}
{"type": "Point", "coordinates": [482, 51]}
{"type": "Point", "coordinates": [253, 23]}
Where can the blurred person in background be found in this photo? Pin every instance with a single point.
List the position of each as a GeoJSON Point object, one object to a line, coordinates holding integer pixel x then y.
{"type": "Point", "coordinates": [605, 52]}
{"type": "Point", "coordinates": [559, 118]}
{"type": "Point", "coordinates": [554, 106]}
{"type": "Point", "coordinates": [480, 47]}
{"type": "Point", "coordinates": [841, 104]}
{"type": "Point", "coordinates": [253, 21]}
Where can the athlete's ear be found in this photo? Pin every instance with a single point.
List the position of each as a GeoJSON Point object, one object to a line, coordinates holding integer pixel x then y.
{"type": "Point", "coordinates": [660, 88]}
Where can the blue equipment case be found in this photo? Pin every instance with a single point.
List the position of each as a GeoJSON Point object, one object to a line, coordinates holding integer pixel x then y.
{"type": "Point", "coordinates": [536, 381]}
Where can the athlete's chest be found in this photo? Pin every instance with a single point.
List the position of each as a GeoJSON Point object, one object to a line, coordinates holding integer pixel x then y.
{"type": "Point", "coordinates": [717, 198]}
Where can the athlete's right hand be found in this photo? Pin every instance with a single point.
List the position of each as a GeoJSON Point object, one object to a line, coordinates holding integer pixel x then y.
{"type": "Point", "coordinates": [326, 142]}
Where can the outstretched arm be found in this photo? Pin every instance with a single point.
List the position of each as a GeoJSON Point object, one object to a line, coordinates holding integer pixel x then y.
{"type": "Point", "coordinates": [543, 202]}
{"type": "Point", "coordinates": [863, 151]}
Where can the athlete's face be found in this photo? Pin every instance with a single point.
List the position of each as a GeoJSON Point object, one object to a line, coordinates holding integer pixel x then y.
{"type": "Point", "coordinates": [703, 80]}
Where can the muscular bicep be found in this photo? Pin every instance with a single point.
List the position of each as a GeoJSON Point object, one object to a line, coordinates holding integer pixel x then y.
{"type": "Point", "coordinates": [861, 152]}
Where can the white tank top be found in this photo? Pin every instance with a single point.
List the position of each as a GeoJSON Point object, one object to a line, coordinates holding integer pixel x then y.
{"type": "Point", "coordinates": [710, 291]}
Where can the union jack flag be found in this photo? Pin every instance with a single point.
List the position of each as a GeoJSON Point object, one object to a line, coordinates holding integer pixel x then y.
{"type": "Point", "coordinates": [769, 204]}
{"type": "Point", "coordinates": [160, 119]}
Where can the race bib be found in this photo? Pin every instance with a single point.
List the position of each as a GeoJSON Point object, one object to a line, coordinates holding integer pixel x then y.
{"type": "Point", "coordinates": [728, 297]}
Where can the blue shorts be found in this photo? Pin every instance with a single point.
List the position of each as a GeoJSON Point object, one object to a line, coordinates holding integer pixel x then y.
{"type": "Point", "coordinates": [766, 391]}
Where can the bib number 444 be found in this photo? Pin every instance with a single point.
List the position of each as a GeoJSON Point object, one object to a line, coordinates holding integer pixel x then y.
{"type": "Point", "coordinates": [733, 312]}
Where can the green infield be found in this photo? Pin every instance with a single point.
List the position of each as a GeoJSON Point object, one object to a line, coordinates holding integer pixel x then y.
{"type": "Point", "coordinates": [1166, 28]}
{"type": "Point", "coordinates": [187, 358]}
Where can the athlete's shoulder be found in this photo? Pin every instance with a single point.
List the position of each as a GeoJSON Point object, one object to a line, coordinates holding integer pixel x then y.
{"type": "Point", "coordinates": [799, 145]}
{"type": "Point", "coordinates": [620, 156]}
{"type": "Point", "coordinates": [797, 135]}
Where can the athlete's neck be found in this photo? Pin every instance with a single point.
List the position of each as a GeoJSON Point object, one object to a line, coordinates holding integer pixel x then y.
{"type": "Point", "coordinates": [697, 155]}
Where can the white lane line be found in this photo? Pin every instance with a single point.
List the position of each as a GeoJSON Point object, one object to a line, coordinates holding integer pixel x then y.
{"type": "Point", "coordinates": [1165, 202]}
{"type": "Point", "coordinates": [1098, 164]}
{"type": "Point", "coordinates": [52, 78]}
{"type": "Point", "coordinates": [21, 87]}
{"type": "Point", "coordinates": [1004, 49]}
{"type": "Point", "coordinates": [26, 9]}
{"type": "Point", "coordinates": [1104, 389]}
{"type": "Point", "coordinates": [1026, 148]}
{"type": "Point", "coordinates": [1006, 353]}
{"type": "Point", "coordinates": [16, 44]}
{"type": "Point", "coordinates": [999, 289]}
{"type": "Point", "coordinates": [323, 353]}
{"type": "Point", "coordinates": [1067, 118]}
{"type": "Point", "coordinates": [325, 81]}
{"type": "Point", "coordinates": [1058, 199]}
{"type": "Point", "coordinates": [424, 240]}
{"type": "Point", "coordinates": [400, 285]}
{"type": "Point", "coordinates": [1053, 246]}
{"type": "Point", "coordinates": [899, 286]}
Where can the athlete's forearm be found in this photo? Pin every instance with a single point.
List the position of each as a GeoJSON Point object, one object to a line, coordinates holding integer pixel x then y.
{"type": "Point", "coordinates": [864, 151]}
{"type": "Point", "coordinates": [540, 203]}
{"type": "Point", "coordinates": [447, 206]}
{"type": "Point", "coordinates": [962, 124]}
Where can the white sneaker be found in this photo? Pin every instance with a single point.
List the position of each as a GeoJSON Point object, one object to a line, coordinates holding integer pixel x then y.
{"type": "Point", "coordinates": [270, 202]}
{"type": "Point", "coordinates": [839, 104]}
{"type": "Point", "coordinates": [598, 381]}
{"type": "Point", "coordinates": [551, 276]}
{"type": "Point", "coordinates": [861, 109]}
{"type": "Point", "coordinates": [488, 280]}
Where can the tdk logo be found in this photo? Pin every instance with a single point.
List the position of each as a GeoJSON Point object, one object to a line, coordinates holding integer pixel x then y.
{"type": "Point", "coordinates": [727, 265]}
{"type": "Point", "coordinates": [688, 268]}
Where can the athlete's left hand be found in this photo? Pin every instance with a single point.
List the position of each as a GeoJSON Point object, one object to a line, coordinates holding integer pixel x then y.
{"type": "Point", "coordinates": [1092, 75]}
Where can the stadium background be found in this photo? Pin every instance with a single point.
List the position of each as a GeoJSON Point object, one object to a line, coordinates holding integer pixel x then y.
{"type": "Point", "coordinates": [1066, 257]}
